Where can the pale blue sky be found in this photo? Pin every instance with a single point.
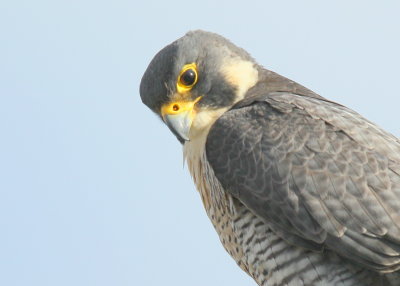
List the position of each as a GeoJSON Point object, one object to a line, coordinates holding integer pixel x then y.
{"type": "Point", "coordinates": [92, 188]}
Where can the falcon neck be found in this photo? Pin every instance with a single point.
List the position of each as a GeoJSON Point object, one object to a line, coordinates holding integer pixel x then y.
{"type": "Point", "coordinates": [270, 81]}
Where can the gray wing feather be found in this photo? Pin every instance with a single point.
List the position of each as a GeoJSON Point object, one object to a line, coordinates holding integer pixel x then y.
{"type": "Point", "coordinates": [319, 173]}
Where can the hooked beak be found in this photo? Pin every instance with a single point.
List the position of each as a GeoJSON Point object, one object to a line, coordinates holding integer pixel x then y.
{"type": "Point", "coordinates": [179, 124]}
{"type": "Point", "coordinates": [178, 116]}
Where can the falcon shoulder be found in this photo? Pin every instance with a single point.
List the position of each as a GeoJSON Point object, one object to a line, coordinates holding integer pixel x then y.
{"type": "Point", "coordinates": [317, 172]}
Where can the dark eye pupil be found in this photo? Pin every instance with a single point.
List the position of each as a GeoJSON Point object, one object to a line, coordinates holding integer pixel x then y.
{"type": "Point", "coordinates": [188, 77]}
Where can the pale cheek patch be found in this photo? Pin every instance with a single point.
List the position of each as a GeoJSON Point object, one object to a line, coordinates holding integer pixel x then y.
{"type": "Point", "coordinates": [203, 120]}
{"type": "Point", "coordinates": [241, 74]}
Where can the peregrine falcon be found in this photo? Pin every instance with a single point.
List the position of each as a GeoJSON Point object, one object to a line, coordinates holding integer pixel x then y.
{"type": "Point", "coordinates": [301, 190]}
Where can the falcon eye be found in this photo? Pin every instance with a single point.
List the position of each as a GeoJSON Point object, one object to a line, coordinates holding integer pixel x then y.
{"type": "Point", "coordinates": [187, 78]}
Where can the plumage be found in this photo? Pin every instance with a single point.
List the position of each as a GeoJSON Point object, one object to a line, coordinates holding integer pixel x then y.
{"type": "Point", "coordinates": [342, 195]}
{"type": "Point", "coordinates": [301, 190]}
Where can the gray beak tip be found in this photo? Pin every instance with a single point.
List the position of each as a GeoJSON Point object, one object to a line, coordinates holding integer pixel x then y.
{"type": "Point", "coordinates": [179, 124]}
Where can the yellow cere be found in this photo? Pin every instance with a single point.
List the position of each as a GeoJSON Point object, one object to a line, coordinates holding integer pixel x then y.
{"type": "Point", "coordinates": [177, 107]}
{"type": "Point", "coordinates": [181, 85]}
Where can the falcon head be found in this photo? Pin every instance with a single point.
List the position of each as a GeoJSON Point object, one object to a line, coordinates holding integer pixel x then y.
{"type": "Point", "coordinates": [194, 80]}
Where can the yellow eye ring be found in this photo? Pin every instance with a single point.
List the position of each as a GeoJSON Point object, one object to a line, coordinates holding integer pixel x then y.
{"type": "Point", "coordinates": [187, 78]}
